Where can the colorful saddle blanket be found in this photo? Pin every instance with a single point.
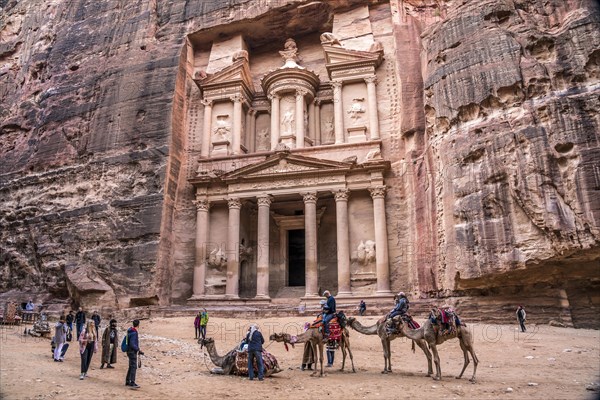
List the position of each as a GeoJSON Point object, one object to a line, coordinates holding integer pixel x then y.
{"type": "Point", "coordinates": [335, 330]}
{"type": "Point", "coordinates": [269, 362]}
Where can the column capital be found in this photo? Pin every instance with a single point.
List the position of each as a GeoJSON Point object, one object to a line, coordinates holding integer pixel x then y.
{"type": "Point", "coordinates": [272, 96]}
{"type": "Point", "coordinates": [309, 197]}
{"type": "Point", "coordinates": [378, 192]}
{"type": "Point", "coordinates": [201, 204]}
{"type": "Point", "coordinates": [264, 200]}
{"type": "Point", "coordinates": [371, 79]}
{"type": "Point", "coordinates": [336, 84]}
{"type": "Point", "coordinates": [301, 92]}
{"type": "Point", "coordinates": [317, 102]}
{"type": "Point", "coordinates": [252, 112]}
{"type": "Point", "coordinates": [236, 98]}
{"type": "Point", "coordinates": [234, 203]}
{"type": "Point", "coordinates": [341, 195]}
{"type": "Point", "coordinates": [206, 102]}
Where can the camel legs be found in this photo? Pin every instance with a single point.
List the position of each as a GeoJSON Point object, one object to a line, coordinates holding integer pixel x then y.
{"type": "Point", "coordinates": [346, 346]}
{"type": "Point", "coordinates": [436, 359]}
{"type": "Point", "coordinates": [468, 348]}
{"type": "Point", "coordinates": [387, 359]}
{"type": "Point", "coordinates": [423, 345]}
{"type": "Point", "coordinates": [320, 345]}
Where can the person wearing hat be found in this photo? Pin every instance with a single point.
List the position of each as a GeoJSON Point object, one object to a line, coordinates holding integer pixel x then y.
{"type": "Point", "coordinates": [255, 341]}
{"type": "Point", "coordinates": [328, 312]}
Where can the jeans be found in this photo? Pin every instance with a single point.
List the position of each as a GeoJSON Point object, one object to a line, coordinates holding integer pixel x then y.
{"type": "Point", "coordinates": [130, 379]}
{"type": "Point", "coordinates": [203, 331]}
{"type": "Point", "coordinates": [326, 319]}
{"type": "Point", "coordinates": [252, 354]}
{"type": "Point", "coordinates": [79, 329]}
{"type": "Point", "coordinates": [86, 357]}
{"type": "Point", "coordinates": [522, 323]}
{"type": "Point", "coordinates": [197, 332]}
{"type": "Point", "coordinates": [330, 357]}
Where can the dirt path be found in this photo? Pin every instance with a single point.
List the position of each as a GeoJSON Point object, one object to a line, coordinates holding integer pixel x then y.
{"type": "Point", "coordinates": [546, 363]}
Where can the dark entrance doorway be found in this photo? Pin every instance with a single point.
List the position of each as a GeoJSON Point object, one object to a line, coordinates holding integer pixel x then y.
{"type": "Point", "coordinates": [296, 274]}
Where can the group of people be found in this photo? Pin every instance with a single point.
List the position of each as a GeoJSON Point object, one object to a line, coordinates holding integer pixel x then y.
{"type": "Point", "coordinates": [88, 338]}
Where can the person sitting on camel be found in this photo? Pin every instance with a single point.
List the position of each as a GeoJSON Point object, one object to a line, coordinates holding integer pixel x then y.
{"type": "Point", "coordinates": [328, 312]}
{"type": "Point", "coordinates": [401, 308]}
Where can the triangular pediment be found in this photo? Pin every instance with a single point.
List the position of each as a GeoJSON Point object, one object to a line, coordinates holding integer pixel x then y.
{"type": "Point", "coordinates": [340, 55]}
{"type": "Point", "coordinates": [285, 164]}
{"type": "Point", "coordinates": [239, 71]}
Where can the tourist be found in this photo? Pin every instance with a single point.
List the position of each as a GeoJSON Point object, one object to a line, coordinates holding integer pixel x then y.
{"type": "Point", "coordinates": [197, 325]}
{"type": "Point", "coordinates": [69, 320]}
{"type": "Point", "coordinates": [329, 311]}
{"type": "Point", "coordinates": [521, 316]}
{"type": "Point", "coordinates": [255, 341]}
{"type": "Point", "coordinates": [79, 321]}
{"type": "Point", "coordinates": [362, 307]}
{"type": "Point", "coordinates": [110, 340]}
{"type": "Point", "coordinates": [203, 322]}
{"type": "Point", "coordinates": [133, 349]}
{"type": "Point", "coordinates": [60, 337]}
{"type": "Point", "coordinates": [96, 317]}
{"type": "Point", "coordinates": [308, 357]}
{"type": "Point", "coordinates": [87, 347]}
{"type": "Point", "coordinates": [401, 308]}
{"type": "Point", "coordinates": [29, 306]}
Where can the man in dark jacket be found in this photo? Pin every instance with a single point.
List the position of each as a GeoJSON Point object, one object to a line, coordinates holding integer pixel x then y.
{"type": "Point", "coordinates": [79, 321]}
{"type": "Point", "coordinates": [133, 349]}
{"type": "Point", "coordinates": [328, 311]}
{"type": "Point", "coordinates": [255, 341]}
{"type": "Point", "coordinates": [96, 317]}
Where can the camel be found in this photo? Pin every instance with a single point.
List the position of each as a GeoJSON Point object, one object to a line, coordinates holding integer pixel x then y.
{"type": "Point", "coordinates": [227, 364]}
{"type": "Point", "coordinates": [379, 330]}
{"type": "Point", "coordinates": [430, 332]}
{"type": "Point", "coordinates": [315, 338]}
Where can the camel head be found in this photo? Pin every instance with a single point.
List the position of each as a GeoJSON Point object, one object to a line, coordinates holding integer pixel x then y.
{"type": "Point", "coordinates": [205, 342]}
{"type": "Point", "coordinates": [282, 337]}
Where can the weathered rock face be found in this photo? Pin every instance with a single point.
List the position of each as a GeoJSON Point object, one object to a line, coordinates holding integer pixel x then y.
{"type": "Point", "coordinates": [496, 164]}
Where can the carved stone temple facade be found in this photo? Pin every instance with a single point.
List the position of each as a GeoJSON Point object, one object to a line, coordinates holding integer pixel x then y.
{"type": "Point", "coordinates": [291, 187]}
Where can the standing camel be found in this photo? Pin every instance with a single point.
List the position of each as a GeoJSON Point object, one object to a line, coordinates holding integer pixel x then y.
{"type": "Point", "coordinates": [316, 340]}
{"type": "Point", "coordinates": [379, 330]}
{"type": "Point", "coordinates": [431, 333]}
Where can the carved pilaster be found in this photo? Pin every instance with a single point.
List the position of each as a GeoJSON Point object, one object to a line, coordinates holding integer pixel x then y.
{"type": "Point", "coordinates": [378, 192]}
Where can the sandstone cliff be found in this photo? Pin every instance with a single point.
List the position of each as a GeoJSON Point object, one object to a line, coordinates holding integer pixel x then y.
{"type": "Point", "coordinates": [497, 161]}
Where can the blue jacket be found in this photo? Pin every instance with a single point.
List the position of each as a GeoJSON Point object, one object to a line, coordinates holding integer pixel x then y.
{"type": "Point", "coordinates": [132, 340]}
{"type": "Point", "coordinates": [330, 305]}
{"type": "Point", "coordinates": [255, 342]}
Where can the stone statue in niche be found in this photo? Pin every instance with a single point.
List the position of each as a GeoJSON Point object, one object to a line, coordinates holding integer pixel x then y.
{"type": "Point", "coordinates": [366, 252]}
{"type": "Point", "coordinates": [222, 130]}
{"type": "Point", "coordinates": [263, 139]}
{"type": "Point", "coordinates": [356, 110]}
{"type": "Point", "coordinates": [288, 122]}
{"type": "Point", "coordinates": [217, 258]}
{"type": "Point", "coordinates": [327, 130]}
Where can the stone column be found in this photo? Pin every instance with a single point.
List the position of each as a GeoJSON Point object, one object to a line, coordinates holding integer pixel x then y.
{"type": "Point", "coordinates": [262, 262]}
{"type": "Point", "coordinates": [317, 122]}
{"type": "Point", "coordinates": [310, 243]}
{"type": "Point", "coordinates": [381, 240]}
{"type": "Point", "coordinates": [300, 118]}
{"type": "Point", "coordinates": [205, 149]}
{"type": "Point", "coordinates": [311, 121]}
{"type": "Point", "coordinates": [372, 99]}
{"type": "Point", "coordinates": [338, 112]}
{"type": "Point", "coordinates": [202, 207]}
{"type": "Point", "coordinates": [274, 97]}
{"type": "Point", "coordinates": [237, 124]}
{"type": "Point", "coordinates": [343, 245]}
{"type": "Point", "coordinates": [252, 133]}
{"type": "Point", "coordinates": [233, 249]}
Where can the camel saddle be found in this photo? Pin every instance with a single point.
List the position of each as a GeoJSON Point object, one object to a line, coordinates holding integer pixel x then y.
{"type": "Point", "coordinates": [447, 319]}
{"type": "Point", "coordinates": [393, 324]}
{"type": "Point", "coordinates": [241, 362]}
{"type": "Point", "coordinates": [335, 330]}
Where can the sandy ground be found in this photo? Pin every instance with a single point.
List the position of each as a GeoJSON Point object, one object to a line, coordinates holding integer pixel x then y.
{"type": "Point", "coordinates": [546, 363]}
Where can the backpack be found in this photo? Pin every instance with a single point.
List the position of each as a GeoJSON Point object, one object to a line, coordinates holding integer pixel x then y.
{"type": "Point", "coordinates": [125, 344]}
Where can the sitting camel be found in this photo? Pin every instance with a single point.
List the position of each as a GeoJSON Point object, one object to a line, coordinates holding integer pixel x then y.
{"type": "Point", "coordinates": [315, 337]}
{"type": "Point", "coordinates": [228, 363]}
{"type": "Point", "coordinates": [379, 330]}
{"type": "Point", "coordinates": [431, 333]}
